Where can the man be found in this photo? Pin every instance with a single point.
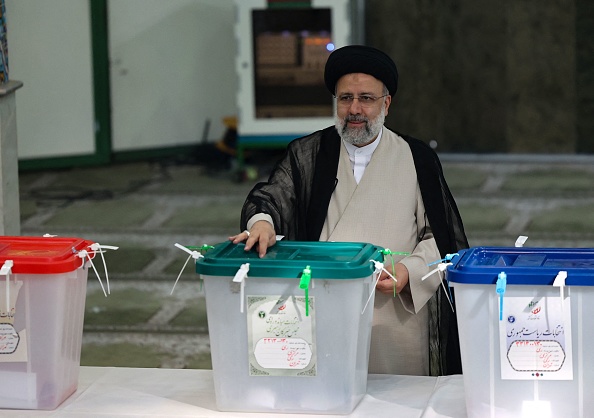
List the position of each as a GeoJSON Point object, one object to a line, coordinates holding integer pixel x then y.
{"type": "Point", "coordinates": [359, 181]}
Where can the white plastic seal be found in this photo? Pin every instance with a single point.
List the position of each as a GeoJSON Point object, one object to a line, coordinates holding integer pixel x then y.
{"type": "Point", "coordinates": [240, 277]}
{"type": "Point", "coordinates": [193, 254]}
{"type": "Point", "coordinates": [560, 283]}
{"type": "Point", "coordinates": [97, 248]}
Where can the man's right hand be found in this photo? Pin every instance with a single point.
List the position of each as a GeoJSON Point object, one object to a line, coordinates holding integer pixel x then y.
{"type": "Point", "coordinates": [261, 236]}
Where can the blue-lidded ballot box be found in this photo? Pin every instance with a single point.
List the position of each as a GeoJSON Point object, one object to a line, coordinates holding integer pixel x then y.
{"type": "Point", "coordinates": [290, 332]}
{"type": "Point", "coordinates": [525, 318]}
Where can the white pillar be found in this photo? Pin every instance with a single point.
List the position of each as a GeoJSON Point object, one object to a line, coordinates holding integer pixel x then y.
{"type": "Point", "coordinates": [10, 217]}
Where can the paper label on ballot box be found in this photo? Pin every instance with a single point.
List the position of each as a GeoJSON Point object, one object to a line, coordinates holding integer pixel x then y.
{"type": "Point", "coordinates": [281, 336]}
{"type": "Point", "coordinates": [535, 338]}
{"type": "Point", "coordinates": [13, 344]}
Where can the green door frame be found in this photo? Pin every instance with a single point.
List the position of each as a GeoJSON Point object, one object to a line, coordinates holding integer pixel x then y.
{"type": "Point", "coordinates": [101, 83]}
{"type": "Point", "coordinates": [101, 99]}
{"type": "Point", "coordinates": [104, 153]}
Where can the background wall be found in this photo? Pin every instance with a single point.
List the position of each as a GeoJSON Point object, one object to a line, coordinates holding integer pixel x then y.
{"type": "Point", "coordinates": [476, 75]}
{"type": "Point", "coordinates": [483, 76]}
{"type": "Point", "coordinates": [584, 29]}
{"type": "Point", "coordinates": [172, 71]}
{"type": "Point", "coordinates": [49, 50]}
{"type": "Point", "coordinates": [171, 67]}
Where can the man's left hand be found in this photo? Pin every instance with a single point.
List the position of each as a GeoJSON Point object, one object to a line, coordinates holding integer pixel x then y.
{"type": "Point", "coordinates": [386, 284]}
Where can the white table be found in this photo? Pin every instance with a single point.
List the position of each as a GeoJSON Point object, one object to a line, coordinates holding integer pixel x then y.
{"type": "Point", "coordinates": [124, 392]}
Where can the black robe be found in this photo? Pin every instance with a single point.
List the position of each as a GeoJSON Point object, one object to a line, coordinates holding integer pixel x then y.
{"type": "Point", "coordinates": [298, 192]}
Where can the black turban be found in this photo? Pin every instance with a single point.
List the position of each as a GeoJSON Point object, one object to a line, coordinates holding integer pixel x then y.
{"type": "Point", "coordinates": [360, 59]}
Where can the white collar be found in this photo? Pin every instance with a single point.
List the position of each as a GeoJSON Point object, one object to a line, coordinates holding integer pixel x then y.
{"type": "Point", "coordinates": [361, 156]}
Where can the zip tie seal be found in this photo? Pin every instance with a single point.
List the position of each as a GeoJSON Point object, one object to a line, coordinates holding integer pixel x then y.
{"type": "Point", "coordinates": [193, 254]}
{"type": "Point", "coordinates": [240, 277]}
{"type": "Point", "coordinates": [500, 289]}
{"type": "Point", "coordinates": [387, 251]}
{"type": "Point", "coordinates": [6, 268]}
{"type": "Point", "coordinates": [521, 240]}
{"type": "Point", "coordinates": [378, 270]}
{"type": "Point", "coordinates": [5, 271]}
{"type": "Point", "coordinates": [442, 267]}
{"type": "Point", "coordinates": [85, 254]}
{"type": "Point", "coordinates": [98, 248]}
{"type": "Point", "coordinates": [304, 284]}
{"type": "Point", "coordinates": [446, 259]}
{"type": "Point", "coordinates": [560, 283]}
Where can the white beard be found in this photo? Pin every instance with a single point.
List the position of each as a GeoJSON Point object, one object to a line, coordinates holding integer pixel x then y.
{"type": "Point", "coordinates": [363, 135]}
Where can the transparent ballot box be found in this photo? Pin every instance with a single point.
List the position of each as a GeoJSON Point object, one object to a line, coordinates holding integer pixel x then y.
{"type": "Point", "coordinates": [43, 285]}
{"type": "Point", "coordinates": [524, 322]}
{"type": "Point", "coordinates": [290, 332]}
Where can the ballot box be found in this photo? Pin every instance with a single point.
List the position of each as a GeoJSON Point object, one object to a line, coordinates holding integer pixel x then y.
{"type": "Point", "coordinates": [42, 299]}
{"type": "Point", "coordinates": [525, 323]}
{"type": "Point", "coordinates": [290, 332]}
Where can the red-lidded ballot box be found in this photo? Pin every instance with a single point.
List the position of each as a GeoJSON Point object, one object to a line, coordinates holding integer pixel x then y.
{"type": "Point", "coordinates": [525, 320]}
{"type": "Point", "coordinates": [43, 284]}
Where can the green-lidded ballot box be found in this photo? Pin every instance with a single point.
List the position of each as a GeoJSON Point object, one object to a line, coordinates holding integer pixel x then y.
{"type": "Point", "coordinates": [290, 332]}
{"type": "Point", "coordinates": [525, 318]}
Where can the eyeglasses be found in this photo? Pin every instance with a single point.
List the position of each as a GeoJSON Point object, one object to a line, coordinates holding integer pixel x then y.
{"type": "Point", "coordinates": [365, 100]}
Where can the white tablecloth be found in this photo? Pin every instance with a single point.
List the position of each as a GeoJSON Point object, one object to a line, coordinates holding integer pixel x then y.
{"type": "Point", "coordinates": [124, 392]}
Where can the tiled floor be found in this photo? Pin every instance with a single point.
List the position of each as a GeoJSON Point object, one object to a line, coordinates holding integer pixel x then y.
{"type": "Point", "coordinates": [145, 208]}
